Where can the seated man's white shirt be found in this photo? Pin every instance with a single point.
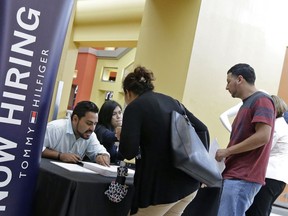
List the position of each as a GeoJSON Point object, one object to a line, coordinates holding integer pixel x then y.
{"type": "Point", "coordinates": [59, 136]}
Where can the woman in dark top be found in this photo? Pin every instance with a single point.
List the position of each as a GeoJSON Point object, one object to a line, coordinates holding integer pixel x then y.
{"type": "Point", "coordinates": [109, 119]}
{"type": "Point", "coordinates": [146, 129]}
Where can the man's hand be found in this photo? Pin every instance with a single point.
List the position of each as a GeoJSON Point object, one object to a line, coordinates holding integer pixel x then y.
{"type": "Point", "coordinates": [69, 157]}
{"type": "Point", "coordinates": [56, 155]}
{"type": "Point", "coordinates": [103, 159]}
{"type": "Point", "coordinates": [221, 154]}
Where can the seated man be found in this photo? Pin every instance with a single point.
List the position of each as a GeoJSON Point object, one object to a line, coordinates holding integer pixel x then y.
{"type": "Point", "coordinates": [69, 140]}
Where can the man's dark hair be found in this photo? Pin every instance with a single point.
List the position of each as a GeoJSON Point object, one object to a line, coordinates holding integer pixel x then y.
{"type": "Point", "coordinates": [83, 107]}
{"type": "Point", "coordinates": [245, 70]}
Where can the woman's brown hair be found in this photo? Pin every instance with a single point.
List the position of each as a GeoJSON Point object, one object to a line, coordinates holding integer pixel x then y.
{"type": "Point", "coordinates": [280, 106]}
{"type": "Point", "coordinates": [139, 81]}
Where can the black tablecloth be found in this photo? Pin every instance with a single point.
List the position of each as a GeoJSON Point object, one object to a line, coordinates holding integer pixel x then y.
{"type": "Point", "coordinates": [61, 192]}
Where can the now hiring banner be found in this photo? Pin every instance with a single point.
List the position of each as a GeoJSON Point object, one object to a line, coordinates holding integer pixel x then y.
{"type": "Point", "coordinates": [31, 42]}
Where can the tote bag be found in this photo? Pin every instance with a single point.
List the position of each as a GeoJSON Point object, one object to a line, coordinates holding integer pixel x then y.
{"type": "Point", "coordinates": [189, 153]}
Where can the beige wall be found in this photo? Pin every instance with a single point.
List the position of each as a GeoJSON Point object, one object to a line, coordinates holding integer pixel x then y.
{"type": "Point", "coordinates": [97, 24]}
{"type": "Point", "coordinates": [229, 32]}
{"type": "Point", "coordinates": [108, 23]}
{"type": "Point", "coordinates": [165, 42]}
{"type": "Point", "coordinates": [100, 87]}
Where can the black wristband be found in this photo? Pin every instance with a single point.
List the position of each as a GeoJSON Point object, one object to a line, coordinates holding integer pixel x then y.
{"type": "Point", "coordinates": [59, 154]}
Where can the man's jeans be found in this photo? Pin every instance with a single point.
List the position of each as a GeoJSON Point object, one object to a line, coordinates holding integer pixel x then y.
{"type": "Point", "coordinates": [237, 196]}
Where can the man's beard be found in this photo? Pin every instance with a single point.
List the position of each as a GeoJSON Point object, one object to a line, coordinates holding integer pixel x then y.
{"type": "Point", "coordinates": [82, 134]}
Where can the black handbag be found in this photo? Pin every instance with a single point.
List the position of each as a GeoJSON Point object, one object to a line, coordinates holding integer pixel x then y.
{"type": "Point", "coordinates": [189, 153]}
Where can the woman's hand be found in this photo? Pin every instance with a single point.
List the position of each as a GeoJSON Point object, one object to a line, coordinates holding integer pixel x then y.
{"type": "Point", "coordinates": [118, 132]}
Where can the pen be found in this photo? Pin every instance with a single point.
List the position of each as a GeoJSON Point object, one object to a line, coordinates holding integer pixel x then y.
{"type": "Point", "coordinates": [80, 163]}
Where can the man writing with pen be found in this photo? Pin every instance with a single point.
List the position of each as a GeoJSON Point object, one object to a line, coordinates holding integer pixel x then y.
{"type": "Point", "coordinates": [69, 140]}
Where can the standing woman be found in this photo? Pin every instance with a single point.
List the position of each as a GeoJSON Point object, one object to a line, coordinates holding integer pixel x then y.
{"type": "Point", "coordinates": [160, 189]}
{"type": "Point", "coordinates": [110, 119]}
{"type": "Point", "coordinates": [276, 175]}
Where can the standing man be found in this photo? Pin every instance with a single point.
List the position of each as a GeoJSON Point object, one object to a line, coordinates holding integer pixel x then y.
{"type": "Point", "coordinates": [246, 156]}
{"type": "Point", "coordinates": [69, 140]}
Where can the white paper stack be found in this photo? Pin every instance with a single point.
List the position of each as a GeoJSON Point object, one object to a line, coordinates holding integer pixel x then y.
{"type": "Point", "coordinates": [72, 167]}
{"type": "Point", "coordinates": [214, 146]}
{"type": "Point", "coordinates": [105, 171]}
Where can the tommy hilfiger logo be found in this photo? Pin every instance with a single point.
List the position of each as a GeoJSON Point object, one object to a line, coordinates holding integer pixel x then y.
{"type": "Point", "coordinates": [33, 117]}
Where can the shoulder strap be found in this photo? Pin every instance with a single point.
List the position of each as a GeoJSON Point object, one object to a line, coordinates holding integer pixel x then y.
{"type": "Point", "coordinates": [181, 107]}
{"type": "Point", "coordinates": [183, 112]}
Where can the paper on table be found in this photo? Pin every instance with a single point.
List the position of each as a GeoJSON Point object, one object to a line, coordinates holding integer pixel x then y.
{"type": "Point", "coordinates": [72, 167]}
{"type": "Point", "coordinates": [214, 146]}
{"type": "Point", "coordinates": [106, 171]}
